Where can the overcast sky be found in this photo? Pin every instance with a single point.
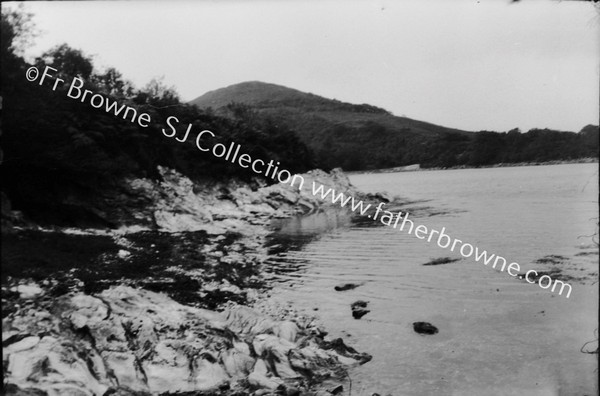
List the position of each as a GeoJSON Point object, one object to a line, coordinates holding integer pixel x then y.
{"type": "Point", "coordinates": [472, 65]}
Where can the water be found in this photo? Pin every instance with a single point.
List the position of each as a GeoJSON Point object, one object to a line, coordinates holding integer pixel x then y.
{"type": "Point", "coordinates": [497, 335]}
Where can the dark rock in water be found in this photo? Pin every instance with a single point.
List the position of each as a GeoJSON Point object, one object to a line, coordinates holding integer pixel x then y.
{"type": "Point", "coordinates": [359, 309]}
{"type": "Point", "coordinates": [337, 390]}
{"type": "Point", "coordinates": [339, 347]}
{"type": "Point", "coordinates": [442, 260]}
{"type": "Point", "coordinates": [360, 304]}
{"type": "Point", "coordinates": [346, 286]}
{"type": "Point", "coordinates": [424, 328]}
{"type": "Point", "coordinates": [552, 259]}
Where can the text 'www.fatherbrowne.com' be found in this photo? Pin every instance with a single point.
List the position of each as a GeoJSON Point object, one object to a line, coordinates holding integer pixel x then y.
{"type": "Point", "coordinates": [443, 240]}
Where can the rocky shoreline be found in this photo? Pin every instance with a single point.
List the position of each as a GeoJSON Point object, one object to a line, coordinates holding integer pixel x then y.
{"type": "Point", "coordinates": [162, 302]}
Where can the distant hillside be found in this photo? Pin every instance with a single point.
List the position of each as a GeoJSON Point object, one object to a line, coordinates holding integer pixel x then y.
{"type": "Point", "coordinates": [354, 136]}
{"type": "Point", "coordinates": [361, 136]}
{"type": "Point", "coordinates": [267, 96]}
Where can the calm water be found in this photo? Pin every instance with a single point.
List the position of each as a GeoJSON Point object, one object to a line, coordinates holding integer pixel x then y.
{"type": "Point", "coordinates": [497, 335]}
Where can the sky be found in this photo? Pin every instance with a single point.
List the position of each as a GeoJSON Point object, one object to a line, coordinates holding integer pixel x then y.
{"type": "Point", "coordinates": [472, 65]}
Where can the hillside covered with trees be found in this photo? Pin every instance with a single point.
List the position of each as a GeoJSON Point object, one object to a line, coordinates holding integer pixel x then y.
{"type": "Point", "coordinates": [58, 151]}
{"type": "Point", "coordinates": [361, 137]}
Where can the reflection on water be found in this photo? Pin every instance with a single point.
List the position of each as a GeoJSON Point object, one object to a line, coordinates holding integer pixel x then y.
{"type": "Point", "coordinates": [497, 335]}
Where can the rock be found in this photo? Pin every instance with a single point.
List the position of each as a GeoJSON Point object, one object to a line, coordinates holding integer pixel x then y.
{"type": "Point", "coordinates": [14, 390]}
{"type": "Point", "coordinates": [442, 260]}
{"type": "Point", "coordinates": [424, 328]}
{"type": "Point", "coordinates": [22, 345]}
{"type": "Point", "coordinates": [263, 381]}
{"type": "Point", "coordinates": [346, 286]}
{"type": "Point", "coordinates": [132, 340]}
{"type": "Point", "coordinates": [358, 313]}
{"type": "Point", "coordinates": [209, 375]}
{"type": "Point", "coordinates": [359, 309]}
{"type": "Point", "coordinates": [127, 341]}
{"type": "Point", "coordinates": [274, 351]}
{"type": "Point", "coordinates": [344, 350]}
{"type": "Point", "coordinates": [337, 390]}
{"type": "Point", "coordinates": [360, 304]}
{"type": "Point", "coordinates": [238, 361]}
{"type": "Point", "coordinates": [28, 291]}
{"type": "Point", "coordinates": [287, 330]}
{"type": "Point", "coordinates": [380, 196]}
{"type": "Point", "coordinates": [177, 204]}
{"type": "Point", "coordinates": [45, 364]}
{"type": "Point", "coordinates": [292, 392]}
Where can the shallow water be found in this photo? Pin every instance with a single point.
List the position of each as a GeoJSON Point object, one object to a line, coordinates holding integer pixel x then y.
{"type": "Point", "coordinates": [497, 335]}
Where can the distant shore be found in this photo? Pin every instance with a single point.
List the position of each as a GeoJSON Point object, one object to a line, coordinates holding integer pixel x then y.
{"type": "Point", "coordinates": [417, 168]}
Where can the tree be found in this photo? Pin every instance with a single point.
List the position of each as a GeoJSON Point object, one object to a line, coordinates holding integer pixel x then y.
{"type": "Point", "coordinates": [68, 61]}
{"type": "Point", "coordinates": [111, 83]}
{"type": "Point", "coordinates": [157, 94]}
{"type": "Point", "coordinates": [17, 31]}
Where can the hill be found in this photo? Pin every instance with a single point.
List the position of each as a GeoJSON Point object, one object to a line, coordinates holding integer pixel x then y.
{"type": "Point", "coordinates": [362, 136]}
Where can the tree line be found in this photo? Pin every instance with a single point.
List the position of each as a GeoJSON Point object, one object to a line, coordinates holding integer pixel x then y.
{"type": "Point", "coordinates": [56, 148]}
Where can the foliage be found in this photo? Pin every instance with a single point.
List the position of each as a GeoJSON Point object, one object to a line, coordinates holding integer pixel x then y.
{"type": "Point", "coordinates": [359, 137]}
{"type": "Point", "coordinates": [59, 151]}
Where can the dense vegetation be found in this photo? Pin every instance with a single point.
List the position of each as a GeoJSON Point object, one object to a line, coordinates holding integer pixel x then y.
{"type": "Point", "coordinates": [57, 149]}
{"type": "Point", "coordinates": [358, 137]}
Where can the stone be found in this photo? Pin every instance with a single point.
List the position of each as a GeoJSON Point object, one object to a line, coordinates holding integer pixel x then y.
{"type": "Point", "coordinates": [129, 341]}
{"type": "Point", "coordinates": [424, 328]}
{"type": "Point", "coordinates": [346, 286]}
{"type": "Point", "coordinates": [359, 309]}
{"type": "Point", "coordinates": [263, 381]}
{"type": "Point", "coordinates": [28, 291]}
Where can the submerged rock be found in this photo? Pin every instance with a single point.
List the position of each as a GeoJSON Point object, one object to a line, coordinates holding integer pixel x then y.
{"type": "Point", "coordinates": [442, 260]}
{"type": "Point", "coordinates": [346, 286]}
{"type": "Point", "coordinates": [359, 309]}
{"type": "Point", "coordinates": [424, 328]}
{"type": "Point", "coordinates": [134, 340]}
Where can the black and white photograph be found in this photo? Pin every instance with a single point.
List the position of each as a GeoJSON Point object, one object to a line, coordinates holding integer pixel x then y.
{"type": "Point", "coordinates": [300, 197]}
